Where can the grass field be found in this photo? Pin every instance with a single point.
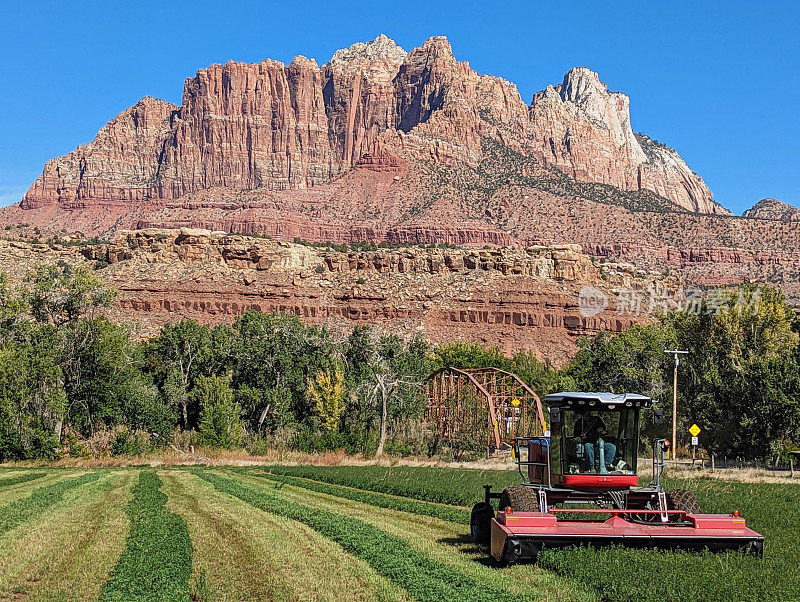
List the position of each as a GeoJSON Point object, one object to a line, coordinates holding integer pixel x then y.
{"type": "Point", "coordinates": [341, 533]}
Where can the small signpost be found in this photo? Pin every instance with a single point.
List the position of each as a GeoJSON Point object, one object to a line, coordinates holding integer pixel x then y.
{"type": "Point", "coordinates": [694, 431]}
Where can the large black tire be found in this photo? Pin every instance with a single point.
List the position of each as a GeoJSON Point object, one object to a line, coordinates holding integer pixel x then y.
{"type": "Point", "coordinates": [680, 499]}
{"type": "Point", "coordinates": [520, 498]}
{"type": "Point", "coordinates": [480, 523]}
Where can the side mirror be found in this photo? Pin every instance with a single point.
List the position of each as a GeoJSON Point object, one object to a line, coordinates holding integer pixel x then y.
{"type": "Point", "coordinates": [658, 416]}
{"type": "Point", "coordinates": [555, 414]}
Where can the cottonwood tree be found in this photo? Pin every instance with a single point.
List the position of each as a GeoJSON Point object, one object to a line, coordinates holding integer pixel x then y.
{"type": "Point", "coordinates": [180, 354]}
{"type": "Point", "coordinates": [388, 374]}
{"type": "Point", "coordinates": [276, 354]}
{"type": "Point", "coordinates": [327, 392]}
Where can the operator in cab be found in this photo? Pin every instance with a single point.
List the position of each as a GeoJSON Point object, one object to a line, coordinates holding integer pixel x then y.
{"type": "Point", "coordinates": [589, 429]}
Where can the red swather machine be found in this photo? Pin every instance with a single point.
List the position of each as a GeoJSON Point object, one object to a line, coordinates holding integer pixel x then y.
{"type": "Point", "coordinates": [586, 467]}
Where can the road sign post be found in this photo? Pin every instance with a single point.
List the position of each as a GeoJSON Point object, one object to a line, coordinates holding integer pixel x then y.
{"type": "Point", "coordinates": [694, 431]}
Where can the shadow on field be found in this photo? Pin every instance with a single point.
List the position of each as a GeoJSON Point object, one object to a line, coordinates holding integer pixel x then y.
{"type": "Point", "coordinates": [461, 540]}
{"type": "Point", "coordinates": [466, 546]}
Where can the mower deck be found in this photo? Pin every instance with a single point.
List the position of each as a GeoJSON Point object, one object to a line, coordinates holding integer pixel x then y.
{"type": "Point", "coordinates": [521, 535]}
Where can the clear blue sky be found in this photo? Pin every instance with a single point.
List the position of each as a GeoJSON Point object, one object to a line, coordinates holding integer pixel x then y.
{"type": "Point", "coordinates": [716, 80]}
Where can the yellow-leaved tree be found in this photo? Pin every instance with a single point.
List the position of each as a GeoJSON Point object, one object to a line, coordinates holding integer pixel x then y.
{"type": "Point", "coordinates": [326, 391]}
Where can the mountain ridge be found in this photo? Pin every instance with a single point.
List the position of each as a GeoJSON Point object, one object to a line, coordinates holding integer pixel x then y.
{"type": "Point", "coordinates": [299, 125]}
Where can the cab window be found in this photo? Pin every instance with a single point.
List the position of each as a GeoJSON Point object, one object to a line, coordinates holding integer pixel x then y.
{"type": "Point", "coordinates": [598, 441]}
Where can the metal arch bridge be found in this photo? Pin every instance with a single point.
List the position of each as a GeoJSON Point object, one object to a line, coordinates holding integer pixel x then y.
{"type": "Point", "coordinates": [514, 410]}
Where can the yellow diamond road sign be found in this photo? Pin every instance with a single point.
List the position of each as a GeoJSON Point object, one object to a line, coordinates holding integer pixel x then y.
{"type": "Point", "coordinates": [694, 430]}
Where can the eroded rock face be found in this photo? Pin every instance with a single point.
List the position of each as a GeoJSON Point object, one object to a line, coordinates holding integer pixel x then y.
{"type": "Point", "coordinates": [121, 164]}
{"type": "Point", "coordinates": [275, 127]}
{"type": "Point", "coordinates": [585, 130]}
{"type": "Point", "coordinates": [359, 96]}
{"type": "Point", "coordinates": [514, 298]}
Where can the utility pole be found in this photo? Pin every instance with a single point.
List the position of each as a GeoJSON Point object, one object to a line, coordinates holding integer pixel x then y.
{"type": "Point", "coordinates": [676, 353]}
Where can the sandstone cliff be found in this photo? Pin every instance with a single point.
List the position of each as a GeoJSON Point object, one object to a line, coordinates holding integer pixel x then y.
{"type": "Point", "coordinates": [121, 164]}
{"type": "Point", "coordinates": [585, 130]}
{"type": "Point", "coordinates": [275, 127]}
{"type": "Point", "coordinates": [514, 298]}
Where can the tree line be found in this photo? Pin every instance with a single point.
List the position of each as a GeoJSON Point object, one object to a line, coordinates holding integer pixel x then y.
{"type": "Point", "coordinates": [72, 382]}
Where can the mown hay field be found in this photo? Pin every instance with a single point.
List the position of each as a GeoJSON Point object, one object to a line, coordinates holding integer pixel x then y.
{"type": "Point", "coordinates": [342, 533]}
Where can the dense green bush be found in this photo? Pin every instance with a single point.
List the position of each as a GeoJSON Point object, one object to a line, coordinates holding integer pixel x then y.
{"type": "Point", "coordinates": [313, 441]}
{"type": "Point", "coordinates": [220, 415]}
{"type": "Point", "coordinates": [130, 443]}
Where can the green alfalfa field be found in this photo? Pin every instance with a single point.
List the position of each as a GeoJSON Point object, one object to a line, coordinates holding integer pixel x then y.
{"type": "Point", "coordinates": [342, 533]}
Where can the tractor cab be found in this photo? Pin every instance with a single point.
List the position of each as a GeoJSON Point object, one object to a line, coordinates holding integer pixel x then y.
{"type": "Point", "coordinates": [593, 441]}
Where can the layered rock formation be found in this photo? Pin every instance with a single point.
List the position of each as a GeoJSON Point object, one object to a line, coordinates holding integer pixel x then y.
{"type": "Point", "coordinates": [773, 209]}
{"type": "Point", "coordinates": [121, 164]}
{"type": "Point", "coordinates": [513, 298]}
{"type": "Point", "coordinates": [381, 144]}
{"type": "Point", "coordinates": [585, 130]}
{"type": "Point", "coordinates": [274, 127]}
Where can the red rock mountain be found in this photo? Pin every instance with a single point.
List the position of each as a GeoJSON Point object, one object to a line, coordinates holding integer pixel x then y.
{"type": "Point", "coordinates": [384, 145]}
{"type": "Point", "coordinates": [381, 144]}
{"type": "Point", "coordinates": [273, 127]}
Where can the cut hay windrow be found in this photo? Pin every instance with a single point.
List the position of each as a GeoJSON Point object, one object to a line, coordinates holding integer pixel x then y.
{"type": "Point", "coordinates": [622, 574]}
{"type": "Point", "coordinates": [421, 576]}
{"type": "Point", "coordinates": [20, 511]}
{"type": "Point", "coordinates": [21, 478]}
{"type": "Point", "coordinates": [383, 500]}
{"type": "Point", "coordinates": [459, 487]}
{"type": "Point", "coordinates": [156, 563]}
